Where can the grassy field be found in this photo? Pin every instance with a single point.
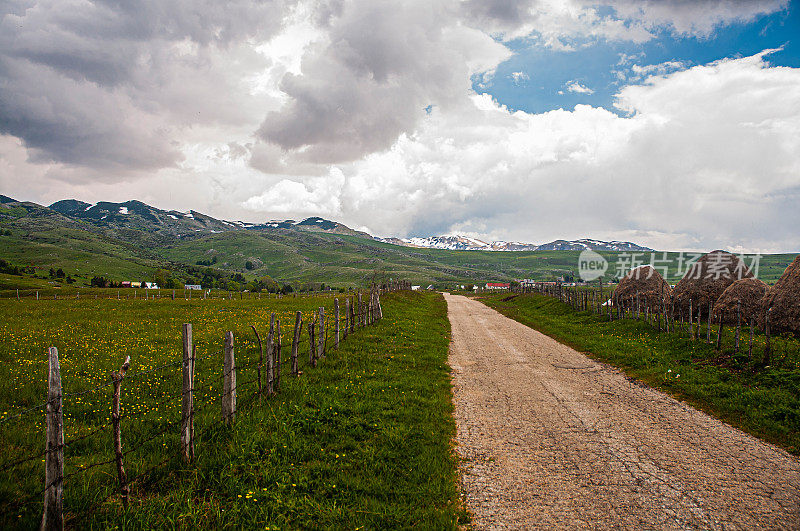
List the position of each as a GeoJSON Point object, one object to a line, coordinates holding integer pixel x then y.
{"type": "Point", "coordinates": [764, 401]}
{"type": "Point", "coordinates": [362, 441]}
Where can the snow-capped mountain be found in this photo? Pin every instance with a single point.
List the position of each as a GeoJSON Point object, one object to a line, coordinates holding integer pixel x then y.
{"type": "Point", "coordinates": [464, 243]}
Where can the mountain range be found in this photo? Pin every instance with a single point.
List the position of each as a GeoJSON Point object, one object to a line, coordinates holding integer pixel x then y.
{"type": "Point", "coordinates": [179, 224]}
{"type": "Point", "coordinates": [132, 240]}
{"type": "Point", "coordinates": [464, 243]}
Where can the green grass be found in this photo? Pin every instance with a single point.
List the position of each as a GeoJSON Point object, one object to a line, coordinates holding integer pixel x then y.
{"type": "Point", "coordinates": [762, 401]}
{"type": "Point", "coordinates": [362, 441]}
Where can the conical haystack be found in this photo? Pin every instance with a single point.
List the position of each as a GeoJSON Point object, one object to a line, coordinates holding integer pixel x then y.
{"type": "Point", "coordinates": [784, 301]}
{"type": "Point", "coordinates": [749, 292]}
{"type": "Point", "coordinates": [650, 286]}
{"type": "Point", "coordinates": [706, 279]}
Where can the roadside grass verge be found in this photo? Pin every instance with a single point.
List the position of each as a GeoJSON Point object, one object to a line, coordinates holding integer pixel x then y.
{"type": "Point", "coordinates": [765, 402]}
{"type": "Point", "coordinates": [362, 441]}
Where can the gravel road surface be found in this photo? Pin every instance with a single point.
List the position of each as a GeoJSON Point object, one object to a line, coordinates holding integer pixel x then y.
{"type": "Point", "coordinates": [549, 438]}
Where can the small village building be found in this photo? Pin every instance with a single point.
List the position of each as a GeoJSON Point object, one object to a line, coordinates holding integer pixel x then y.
{"type": "Point", "coordinates": [498, 285]}
{"type": "Point", "coordinates": [197, 287]}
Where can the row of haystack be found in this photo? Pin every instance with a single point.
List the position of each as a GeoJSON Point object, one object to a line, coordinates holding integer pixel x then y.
{"type": "Point", "coordinates": [722, 283]}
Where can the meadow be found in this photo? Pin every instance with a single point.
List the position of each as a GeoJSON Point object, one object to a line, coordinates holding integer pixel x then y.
{"type": "Point", "coordinates": [363, 440]}
{"type": "Point", "coordinates": [762, 400]}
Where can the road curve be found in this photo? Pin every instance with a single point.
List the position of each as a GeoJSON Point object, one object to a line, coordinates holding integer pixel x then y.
{"type": "Point", "coordinates": [549, 438]}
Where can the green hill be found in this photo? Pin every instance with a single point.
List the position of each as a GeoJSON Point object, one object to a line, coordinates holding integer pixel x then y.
{"type": "Point", "coordinates": [132, 240]}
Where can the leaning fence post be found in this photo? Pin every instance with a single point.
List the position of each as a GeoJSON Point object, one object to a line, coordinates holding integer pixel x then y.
{"type": "Point", "coordinates": [229, 382]}
{"type": "Point", "coordinates": [719, 330]}
{"type": "Point", "coordinates": [187, 401]}
{"type": "Point", "coordinates": [336, 322]}
{"type": "Point", "coordinates": [277, 351]}
{"type": "Point", "coordinates": [378, 305]}
{"type": "Point", "coordinates": [53, 514]}
{"type": "Point", "coordinates": [123, 477]}
{"type": "Point", "coordinates": [298, 328]}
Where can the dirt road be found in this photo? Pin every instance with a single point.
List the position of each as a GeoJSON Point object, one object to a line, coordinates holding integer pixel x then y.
{"type": "Point", "coordinates": [551, 439]}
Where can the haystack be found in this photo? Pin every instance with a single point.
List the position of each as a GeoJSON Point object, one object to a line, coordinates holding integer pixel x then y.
{"type": "Point", "coordinates": [650, 286]}
{"type": "Point", "coordinates": [707, 279]}
{"type": "Point", "coordinates": [784, 300]}
{"type": "Point", "coordinates": [750, 292]}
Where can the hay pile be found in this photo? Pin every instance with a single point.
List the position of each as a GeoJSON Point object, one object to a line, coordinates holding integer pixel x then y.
{"type": "Point", "coordinates": [706, 279]}
{"type": "Point", "coordinates": [784, 299]}
{"type": "Point", "coordinates": [648, 283]}
{"type": "Point", "coordinates": [750, 291]}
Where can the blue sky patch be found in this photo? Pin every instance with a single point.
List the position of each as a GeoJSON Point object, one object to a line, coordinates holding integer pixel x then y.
{"type": "Point", "coordinates": [537, 79]}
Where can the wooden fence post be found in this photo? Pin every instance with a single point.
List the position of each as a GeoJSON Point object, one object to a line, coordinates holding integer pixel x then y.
{"type": "Point", "coordinates": [719, 330]}
{"type": "Point", "coordinates": [298, 328]}
{"type": "Point", "coordinates": [187, 401]}
{"type": "Point", "coordinates": [738, 322]}
{"type": "Point", "coordinates": [312, 345]}
{"type": "Point", "coordinates": [360, 311]}
{"type": "Point", "coordinates": [277, 365]}
{"type": "Point", "coordinates": [750, 347]}
{"type": "Point", "coordinates": [115, 417]}
{"type": "Point", "coordinates": [229, 382]}
{"type": "Point", "coordinates": [767, 345]}
{"type": "Point", "coordinates": [346, 316]}
{"type": "Point", "coordinates": [271, 356]}
{"type": "Point", "coordinates": [260, 361]}
{"type": "Point", "coordinates": [352, 316]}
{"type": "Point", "coordinates": [53, 514]}
{"type": "Point", "coordinates": [321, 338]}
{"type": "Point", "coordinates": [336, 322]}
{"type": "Point", "coordinates": [708, 328]}
{"type": "Point", "coordinates": [378, 305]}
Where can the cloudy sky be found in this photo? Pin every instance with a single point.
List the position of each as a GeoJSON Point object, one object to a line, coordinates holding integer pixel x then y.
{"type": "Point", "coordinates": [671, 123]}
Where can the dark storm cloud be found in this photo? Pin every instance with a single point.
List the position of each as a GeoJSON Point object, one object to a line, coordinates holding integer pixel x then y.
{"type": "Point", "coordinates": [84, 82]}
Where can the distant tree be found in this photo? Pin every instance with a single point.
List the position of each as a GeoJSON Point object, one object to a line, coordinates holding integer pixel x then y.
{"type": "Point", "coordinates": [249, 265]}
{"type": "Point", "coordinates": [60, 273]}
{"type": "Point", "coordinates": [100, 282]}
{"type": "Point", "coordinates": [286, 289]}
{"type": "Point", "coordinates": [52, 272]}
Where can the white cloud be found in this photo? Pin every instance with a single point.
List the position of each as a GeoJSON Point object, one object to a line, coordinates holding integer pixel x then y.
{"type": "Point", "coordinates": [519, 78]}
{"type": "Point", "coordinates": [707, 159]}
{"type": "Point", "coordinates": [574, 86]}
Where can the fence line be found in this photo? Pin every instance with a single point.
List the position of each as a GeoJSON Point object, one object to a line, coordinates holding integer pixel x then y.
{"type": "Point", "coordinates": [666, 314]}
{"type": "Point", "coordinates": [324, 334]}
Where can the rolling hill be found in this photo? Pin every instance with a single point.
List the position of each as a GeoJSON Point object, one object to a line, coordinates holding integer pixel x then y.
{"type": "Point", "coordinates": [132, 240]}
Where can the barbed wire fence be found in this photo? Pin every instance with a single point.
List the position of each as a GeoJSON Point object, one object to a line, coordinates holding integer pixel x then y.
{"type": "Point", "coordinates": [130, 437]}
{"type": "Point", "coordinates": [177, 294]}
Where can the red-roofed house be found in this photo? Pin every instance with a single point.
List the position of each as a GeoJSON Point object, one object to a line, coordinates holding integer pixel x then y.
{"type": "Point", "coordinates": [498, 285]}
